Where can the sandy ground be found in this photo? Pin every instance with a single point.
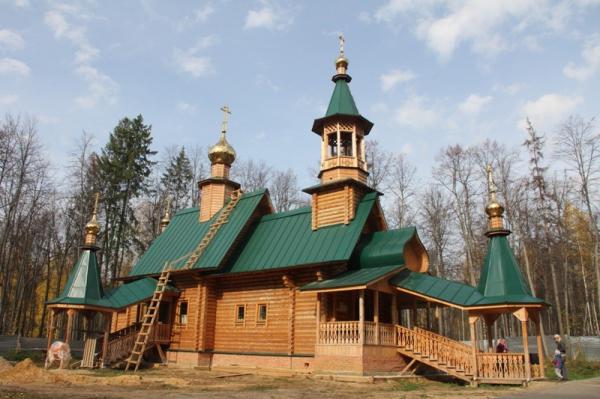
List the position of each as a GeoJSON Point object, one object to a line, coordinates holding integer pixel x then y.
{"type": "Point", "coordinates": [26, 380]}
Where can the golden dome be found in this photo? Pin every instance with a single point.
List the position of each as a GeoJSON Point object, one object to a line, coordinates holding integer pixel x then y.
{"type": "Point", "coordinates": [222, 152]}
{"type": "Point", "coordinates": [494, 209]}
{"type": "Point", "coordinates": [92, 227]}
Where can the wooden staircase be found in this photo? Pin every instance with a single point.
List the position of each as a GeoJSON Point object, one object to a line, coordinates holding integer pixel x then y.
{"type": "Point", "coordinates": [120, 344]}
{"type": "Point", "coordinates": [436, 351]}
{"type": "Point", "coordinates": [141, 342]}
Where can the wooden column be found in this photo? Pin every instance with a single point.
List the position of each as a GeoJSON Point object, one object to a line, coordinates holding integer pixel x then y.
{"type": "Point", "coordinates": [89, 318]}
{"type": "Point", "coordinates": [540, 344]}
{"type": "Point", "coordinates": [361, 316]}
{"type": "Point", "coordinates": [107, 320]}
{"type": "Point", "coordinates": [472, 321]}
{"type": "Point", "coordinates": [324, 149]}
{"type": "Point", "coordinates": [522, 315]}
{"type": "Point", "coordinates": [376, 315]}
{"type": "Point", "coordinates": [489, 337]}
{"type": "Point", "coordinates": [318, 317]}
{"type": "Point", "coordinates": [394, 309]}
{"type": "Point", "coordinates": [339, 144]}
{"type": "Point", "coordinates": [354, 145]}
{"type": "Point", "coordinates": [69, 332]}
{"type": "Point", "coordinates": [51, 323]}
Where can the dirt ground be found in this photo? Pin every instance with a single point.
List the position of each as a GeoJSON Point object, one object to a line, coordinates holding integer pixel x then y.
{"type": "Point", "coordinates": [26, 380]}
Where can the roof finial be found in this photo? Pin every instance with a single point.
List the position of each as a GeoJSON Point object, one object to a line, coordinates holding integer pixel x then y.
{"type": "Point", "coordinates": [92, 227]}
{"type": "Point", "coordinates": [226, 113]}
{"type": "Point", "coordinates": [493, 208]}
{"type": "Point", "coordinates": [341, 64]}
{"type": "Point", "coordinates": [164, 222]}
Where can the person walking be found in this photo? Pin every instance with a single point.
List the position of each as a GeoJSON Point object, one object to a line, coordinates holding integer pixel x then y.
{"type": "Point", "coordinates": [561, 348]}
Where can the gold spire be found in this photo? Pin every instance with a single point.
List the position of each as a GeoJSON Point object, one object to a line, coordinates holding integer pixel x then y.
{"type": "Point", "coordinates": [493, 208]}
{"type": "Point", "coordinates": [92, 227]}
{"type": "Point", "coordinates": [222, 152]}
{"type": "Point", "coordinates": [341, 64]}
{"type": "Point", "coordinates": [164, 222]}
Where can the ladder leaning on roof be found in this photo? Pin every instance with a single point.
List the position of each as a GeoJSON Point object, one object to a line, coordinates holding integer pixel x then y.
{"type": "Point", "coordinates": [141, 342]}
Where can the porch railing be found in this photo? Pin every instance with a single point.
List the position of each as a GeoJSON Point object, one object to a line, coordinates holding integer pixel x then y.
{"type": "Point", "coordinates": [501, 366]}
{"type": "Point", "coordinates": [348, 332]}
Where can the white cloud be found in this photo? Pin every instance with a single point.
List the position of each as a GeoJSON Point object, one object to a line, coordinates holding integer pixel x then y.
{"type": "Point", "coordinates": [414, 113]}
{"type": "Point", "coordinates": [8, 99]}
{"type": "Point", "coordinates": [10, 40]}
{"type": "Point", "coordinates": [186, 107]}
{"type": "Point", "coordinates": [204, 12]}
{"type": "Point", "coordinates": [192, 64]}
{"type": "Point", "coordinates": [591, 61]}
{"type": "Point", "coordinates": [474, 103]}
{"type": "Point", "coordinates": [22, 3]}
{"type": "Point", "coordinates": [13, 66]}
{"type": "Point", "coordinates": [487, 27]}
{"type": "Point", "coordinates": [391, 79]}
{"type": "Point", "coordinates": [548, 110]}
{"type": "Point", "coordinates": [204, 43]}
{"type": "Point", "coordinates": [273, 16]}
{"type": "Point", "coordinates": [101, 88]}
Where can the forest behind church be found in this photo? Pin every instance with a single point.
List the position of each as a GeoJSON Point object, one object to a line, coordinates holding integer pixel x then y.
{"type": "Point", "coordinates": [550, 187]}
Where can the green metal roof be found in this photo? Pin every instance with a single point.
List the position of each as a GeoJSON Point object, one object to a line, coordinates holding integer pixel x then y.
{"type": "Point", "coordinates": [439, 288]}
{"type": "Point", "coordinates": [133, 292]}
{"type": "Point", "coordinates": [352, 278]}
{"type": "Point", "coordinates": [501, 280]}
{"type": "Point", "coordinates": [184, 233]}
{"type": "Point", "coordinates": [286, 239]}
{"type": "Point", "coordinates": [84, 286]}
{"type": "Point", "coordinates": [383, 248]}
{"type": "Point", "coordinates": [342, 102]}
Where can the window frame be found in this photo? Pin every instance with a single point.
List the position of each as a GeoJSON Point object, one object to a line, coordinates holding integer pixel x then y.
{"type": "Point", "coordinates": [259, 321]}
{"type": "Point", "coordinates": [180, 321]}
{"type": "Point", "coordinates": [236, 320]}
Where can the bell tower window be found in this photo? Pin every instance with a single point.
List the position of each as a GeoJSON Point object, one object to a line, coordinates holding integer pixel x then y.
{"type": "Point", "coordinates": [332, 145]}
{"type": "Point", "coordinates": [346, 144]}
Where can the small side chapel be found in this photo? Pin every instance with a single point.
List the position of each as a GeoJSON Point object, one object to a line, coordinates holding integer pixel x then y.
{"type": "Point", "coordinates": [328, 288]}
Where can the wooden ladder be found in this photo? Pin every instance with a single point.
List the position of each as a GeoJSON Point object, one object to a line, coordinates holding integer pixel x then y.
{"type": "Point", "coordinates": [135, 358]}
{"type": "Point", "coordinates": [213, 229]}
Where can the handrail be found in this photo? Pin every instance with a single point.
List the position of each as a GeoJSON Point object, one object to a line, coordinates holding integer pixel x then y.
{"type": "Point", "coordinates": [501, 365]}
{"type": "Point", "coordinates": [450, 341]}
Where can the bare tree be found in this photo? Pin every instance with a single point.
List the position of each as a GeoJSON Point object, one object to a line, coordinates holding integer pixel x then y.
{"type": "Point", "coordinates": [252, 175]}
{"type": "Point", "coordinates": [401, 185]}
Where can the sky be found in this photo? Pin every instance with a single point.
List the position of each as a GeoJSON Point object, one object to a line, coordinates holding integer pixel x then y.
{"type": "Point", "coordinates": [427, 73]}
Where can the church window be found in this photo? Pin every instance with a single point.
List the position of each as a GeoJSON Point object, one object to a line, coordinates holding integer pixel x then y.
{"type": "Point", "coordinates": [332, 145]}
{"type": "Point", "coordinates": [183, 312]}
{"type": "Point", "coordinates": [346, 143]}
{"type": "Point", "coordinates": [261, 314]}
{"type": "Point", "coordinates": [240, 314]}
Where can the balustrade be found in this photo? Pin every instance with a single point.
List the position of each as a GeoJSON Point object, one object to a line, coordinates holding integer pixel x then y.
{"type": "Point", "coordinates": [501, 366]}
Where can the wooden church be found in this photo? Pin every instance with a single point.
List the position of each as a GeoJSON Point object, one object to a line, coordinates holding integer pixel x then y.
{"type": "Point", "coordinates": [319, 289]}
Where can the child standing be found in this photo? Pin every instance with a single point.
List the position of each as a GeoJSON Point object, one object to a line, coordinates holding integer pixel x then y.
{"type": "Point", "coordinates": [557, 363]}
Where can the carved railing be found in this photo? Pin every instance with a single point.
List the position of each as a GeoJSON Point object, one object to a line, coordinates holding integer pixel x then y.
{"type": "Point", "coordinates": [387, 334]}
{"type": "Point", "coordinates": [446, 352]}
{"type": "Point", "coordinates": [339, 333]}
{"type": "Point", "coordinates": [501, 366]}
{"type": "Point", "coordinates": [443, 338]}
{"type": "Point", "coordinates": [120, 343]}
{"type": "Point", "coordinates": [161, 333]}
{"type": "Point", "coordinates": [369, 333]}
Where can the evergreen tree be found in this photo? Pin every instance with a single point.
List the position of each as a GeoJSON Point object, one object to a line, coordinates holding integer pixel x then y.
{"type": "Point", "coordinates": [124, 167]}
{"type": "Point", "coordinates": [177, 180]}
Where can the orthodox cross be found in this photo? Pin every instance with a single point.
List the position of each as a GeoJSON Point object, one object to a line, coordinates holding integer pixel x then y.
{"type": "Point", "coordinates": [95, 211]}
{"type": "Point", "coordinates": [491, 185]}
{"type": "Point", "coordinates": [226, 112]}
{"type": "Point", "coordinates": [342, 41]}
{"type": "Point", "coordinates": [168, 207]}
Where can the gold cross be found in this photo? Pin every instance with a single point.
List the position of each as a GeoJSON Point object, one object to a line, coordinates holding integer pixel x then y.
{"type": "Point", "coordinates": [342, 41]}
{"type": "Point", "coordinates": [491, 185]}
{"type": "Point", "coordinates": [226, 111]}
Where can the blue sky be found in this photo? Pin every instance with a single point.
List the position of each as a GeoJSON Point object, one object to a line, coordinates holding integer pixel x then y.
{"type": "Point", "coordinates": [427, 73]}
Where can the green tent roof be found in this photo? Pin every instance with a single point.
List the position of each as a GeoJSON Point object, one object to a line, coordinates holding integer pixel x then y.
{"type": "Point", "coordinates": [133, 292]}
{"type": "Point", "coordinates": [84, 286]}
{"type": "Point", "coordinates": [184, 233]}
{"type": "Point", "coordinates": [342, 102]}
{"type": "Point", "coordinates": [286, 239]}
{"type": "Point", "coordinates": [352, 278]}
{"type": "Point", "coordinates": [501, 279]}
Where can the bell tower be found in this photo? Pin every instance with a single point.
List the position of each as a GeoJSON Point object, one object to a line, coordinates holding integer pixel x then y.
{"type": "Point", "coordinates": [217, 189]}
{"type": "Point", "coordinates": [343, 171]}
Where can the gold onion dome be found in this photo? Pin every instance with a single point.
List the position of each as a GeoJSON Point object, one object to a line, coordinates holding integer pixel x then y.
{"type": "Point", "coordinates": [341, 63]}
{"type": "Point", "coordinates": [222, 152]}
{"type": "Point", "coordinates": [493, 208]}
{"type": "Point", "coordinates": [92, 227]}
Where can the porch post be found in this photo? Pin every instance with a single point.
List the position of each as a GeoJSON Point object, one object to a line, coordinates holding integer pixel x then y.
{"type": "Point", "coordinates": [395, 309]}
{"type": "Point", "coordinates": [522, 315]}
{"type": "Point", "coordinates": [361, 316]}
{"type": "Point", "coordinates": [540, 344]}
{"type": "Point", "coordinates": [318, 317]}
{"type": "Point", "coordinates": [107, 320]}
{"type": "Point", "coordinates": [51, 328]}
{"type": "Point", "coordinates": [472, 320]}
{"type": "Point", "coordinates": [488, 325]}
{"type": "Point", "coordinates": [376, 315]}
{"type": "Point", "coordinates": [69, 332]}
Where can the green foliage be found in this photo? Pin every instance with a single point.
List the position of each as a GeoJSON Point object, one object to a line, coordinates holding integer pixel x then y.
{"type": "Point", "coordinates": [406, 386]}
{"type": "Point", "coordinates": [14, 356]}
{"type": "Point", "coordinates": [124, 167]}
{"type": "Point", "coordinates": [177, 179]}
{"type": "Point", "coordinates": [576, 369]}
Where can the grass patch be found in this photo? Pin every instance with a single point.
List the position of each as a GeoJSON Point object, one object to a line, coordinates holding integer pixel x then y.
{"type": "Point", "coordinates": [12, 356]}
{"type": "Point", "coordinates": [406, 386]}
{"type": "Point", "coordinates": [576, 369]}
